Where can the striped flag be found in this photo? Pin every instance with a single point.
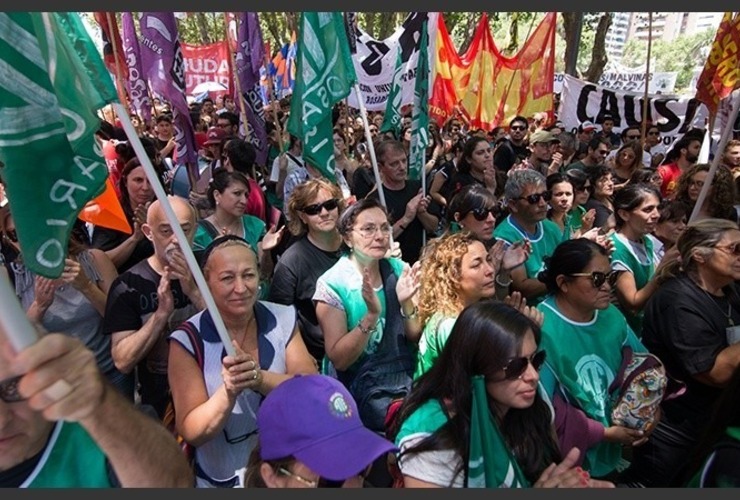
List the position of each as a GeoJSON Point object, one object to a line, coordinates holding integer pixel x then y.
{"type": "Point", "coordinates": [720, 75]}
{"type": "Point", "coordinates": [52, 82]}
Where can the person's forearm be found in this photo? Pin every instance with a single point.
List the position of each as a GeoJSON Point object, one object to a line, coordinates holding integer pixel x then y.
{"type": "Point", "coordinates": [142, 452]}
{"type": "Point", "coordinates": [96, 296]}
{"type": "Point", "coordinates": [350, 347]}
{"type": "Point", "coordinates": [122, 252]}
{"type": "Point", "coordinates": [429, 221]}
{"type": "Point", "coordinates": [128, 351]}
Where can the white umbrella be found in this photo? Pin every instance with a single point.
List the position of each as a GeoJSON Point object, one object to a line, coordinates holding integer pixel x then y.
{"type": "Point", "coordinates": [208, 87]}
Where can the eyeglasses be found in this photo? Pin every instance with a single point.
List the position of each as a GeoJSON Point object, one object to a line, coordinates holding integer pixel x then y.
{"type": "Point", "coordinates": [733, 249]}
{"type": "Point", "coordinates": [238, 439]}
{"type": "Point", "coordinates": [533, 199]}
{"type": "Point", "coordinates": [321, 482]}
{"type": "Point", "coordinates": [516, 367]}
{"type": "Point", "coordinates": [9, 390]}
{"type": "Point", "coordinates": [316, 208]}
{"type": "Point", "coordinates": [518, 127]}
{"type": "Point", "coordinates": [584, 188]}
{"type": "Point", "coordinates": [598, 278]}
{"type": "Point", "coordinates": [370, 230]}
{"type": "Point", "coordinates": [481, 214]}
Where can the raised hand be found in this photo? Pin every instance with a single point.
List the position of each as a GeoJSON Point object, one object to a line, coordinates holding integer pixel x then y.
{"type": "Point", "coordinates": [516, 255]}
{"type": "Point", "coordinates": [273, 236]}
{"type": "Point", "coordinates": [368, 293]}
{"type": "Point", "coordinates": [240, 371]}
{"type": "Point", "coordinates": [73, 275]}
{"type": "Point", "coordinates": [408, 283]}
{"type": "Point", "coordinates": [567, 475]}
{"type": "Point", "coordinates": [43, 290]}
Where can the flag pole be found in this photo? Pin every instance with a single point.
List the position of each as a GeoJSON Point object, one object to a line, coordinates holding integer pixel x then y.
{"type": "Point", "coordinates": [646, 103]}
{"type": "Point", "coordinates": [724, 139]}
{"type": "Point", "coordinates": [14, 323]}
{"type": "Point", "coordinates": [271, 92]}
{"type": "Point", "coordinates": [370, 145]}
{"type": "Point", "coordinates": [235, 74]}
{"type": "Point", "coordinates": [151, 174]}
{"type": "Point", "coordinates": [117, 61]}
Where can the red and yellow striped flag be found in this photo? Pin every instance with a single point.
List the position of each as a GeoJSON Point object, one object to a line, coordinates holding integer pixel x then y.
{"type": "Point", "coordinates": [721, 74]}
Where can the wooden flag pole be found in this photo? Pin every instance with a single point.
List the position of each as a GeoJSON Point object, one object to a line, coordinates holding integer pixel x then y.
{"type": "Point", "coordinates": [232, 58]}
{"type": "Point", "coordinates": [146, 163]}
{"type": "Point", "coordinates": [646, 103]}
{"type": "Point", "coordinates": [117, 62]}
{"type": "Point", "coordinates": [271, 92]}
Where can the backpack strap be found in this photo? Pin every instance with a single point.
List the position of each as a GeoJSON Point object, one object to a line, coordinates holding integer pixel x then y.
{"type": "Point", "coordinates": [209, 227]}
{"type": "Point", "coordinates": [195, 340]}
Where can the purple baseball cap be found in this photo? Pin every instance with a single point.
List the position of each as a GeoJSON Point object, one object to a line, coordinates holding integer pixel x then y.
{"type": "Point", "coordinates": [315, 419]}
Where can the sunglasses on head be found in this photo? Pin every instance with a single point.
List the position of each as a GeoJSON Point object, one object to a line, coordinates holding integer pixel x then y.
{"type": "Point", "coordinates": [481, 214]}
{"type": "Point", "coordinates": [598, 278]}
{"type": "Point", "coordinates": [533, 199]}
{"type": "Point", "coordinates": [9, 390]}
{"type": "Point", "coordinates": [516, 367]}
{"type": "Point", "coordinates": [315, 209]}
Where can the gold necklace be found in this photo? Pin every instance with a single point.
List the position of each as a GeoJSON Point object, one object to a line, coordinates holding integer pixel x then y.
{"type": "Point", "coordinates": [227, 229]}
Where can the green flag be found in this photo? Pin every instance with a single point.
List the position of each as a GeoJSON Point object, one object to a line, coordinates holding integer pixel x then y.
{"type": "Point", "coordinates": [420, 116]}
{"type": "Point", "coordinates": [324, 76]}
{"type": "Point", "coordinates": [392, 115]}
{"type": "Point", "coordinates": [52, 82]}
{"type": "Point", "coordinates": [491, 463]}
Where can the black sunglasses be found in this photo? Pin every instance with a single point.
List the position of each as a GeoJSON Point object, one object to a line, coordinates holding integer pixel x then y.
{"type": "Point", "coordinates": [518, 127]}
{"type": "Point", "coordinates": [598, 278]}
{"type": "Point", "coordinates": [517, 366]}
{"type": "Point", "coordinates": [9, 390]}
{"type": "Point", "coordinates": [481, 214]}
{"type": "Point", "coordinates": [533, 199]}
{"type": "Point", "coordinates": [315, 209]}
{"type": "Point", "coordinates": [238, 439]}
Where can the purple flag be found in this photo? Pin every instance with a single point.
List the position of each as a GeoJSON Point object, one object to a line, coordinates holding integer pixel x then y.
{"type": "Point", "coordinates": [162, 61]}
{"type": "Point", "coordinates": [136, 84]}
{"type": "Point", "coordinates": [249, 59]}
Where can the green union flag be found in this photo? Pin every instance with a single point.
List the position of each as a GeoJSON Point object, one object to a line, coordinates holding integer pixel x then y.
{"type": "Point", "coordinates": [52, 81]}
{"type": "Point", "coordinates": [324, 76]}
{"type": "Point", "coordinates": [392, 115]}
{"type": "Point", "coordinates": [491, 463]}
{"type": "Point", "coordinates": [420, 115]}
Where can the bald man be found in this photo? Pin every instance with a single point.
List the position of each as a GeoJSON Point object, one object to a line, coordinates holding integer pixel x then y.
{"type": "Point", "coordinates": [148, 301]}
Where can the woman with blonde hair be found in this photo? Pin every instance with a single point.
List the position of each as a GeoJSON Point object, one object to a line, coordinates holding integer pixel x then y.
{"type": "Point", "coordinates": [624, 163]}
{"type": "Point", "coordinates": [313, 211]}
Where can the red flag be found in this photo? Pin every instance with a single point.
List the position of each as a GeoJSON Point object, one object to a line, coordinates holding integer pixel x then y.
{"type": "Point", "coordinates": [109, 26]}
{"type": "Point", "coordinates": [720, 75]}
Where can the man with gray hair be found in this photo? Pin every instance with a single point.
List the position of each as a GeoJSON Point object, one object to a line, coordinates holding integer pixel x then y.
{"type": "Point", "coordinates": [527, 200]}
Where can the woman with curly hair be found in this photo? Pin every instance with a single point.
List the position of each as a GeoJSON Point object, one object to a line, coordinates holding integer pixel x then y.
{"type": "Point", "coordinates": [720, 200]}
{"type": "Point", "coordinates": [456, 271]}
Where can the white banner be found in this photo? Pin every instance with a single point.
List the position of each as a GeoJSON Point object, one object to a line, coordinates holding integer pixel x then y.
{"type": "Point", "coordinates": [375, 61]}
{"type": "Point", "coordinates": [581, 101]}
{"type": "Point", "coordinates": [663, 82]}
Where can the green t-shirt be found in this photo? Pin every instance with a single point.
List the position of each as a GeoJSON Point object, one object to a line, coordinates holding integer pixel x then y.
{"type": "Point", "coordinates": [433, 339]}
{"type": "Point", "coordinates": [583, 359]}
{"type": "Point", "coordinates": [254, 231]}
{"type": "Point", "coordinates": [626, 257]}
{"type": "Point", "coordinates": [547, 237]}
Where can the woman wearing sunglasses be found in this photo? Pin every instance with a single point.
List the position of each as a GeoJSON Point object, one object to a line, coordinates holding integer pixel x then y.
{"type": "Point", "coordinates": [365, 304]}
{"type": "Point", "coordinates": [313, 209]}
{"type": "Point", "coordinates": [633, 259]}
{"type": "Point", "coordinates": [216, 395]}
{"type": "Point", "coordinates": [691, 324]}
{"type": "Point", "coordinates": [583, 334]}
{"type": "Point", "coordinates": [432, 428]}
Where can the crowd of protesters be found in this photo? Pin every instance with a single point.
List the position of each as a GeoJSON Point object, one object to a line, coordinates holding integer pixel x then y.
{"type": "Point", "coordinates": [534, 256]}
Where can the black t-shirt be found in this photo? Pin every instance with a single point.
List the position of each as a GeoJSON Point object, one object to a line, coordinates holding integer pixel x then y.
{"type": "Point", "coordinates": [132, 299]}
{"type": "Point", "coordinates": [294, 283]}
{"type": "Point", "coordinates": [161, 145]}
{"type": "Point", "coordinates": [685, 328]}
{"type": "Point", "coordinates": [411, 239]}
{"type": "Point", "coordinates": [458, 181]}
{"type": "Point", "coordinates": [363, 181]}
{"type": "Point", "coordinates": [508, 153]}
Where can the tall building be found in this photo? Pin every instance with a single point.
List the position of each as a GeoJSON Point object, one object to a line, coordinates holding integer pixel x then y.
{"type": "Point", "coordinates": [616, 36]}
{"type": "Point", "coordinates": [668, 26]}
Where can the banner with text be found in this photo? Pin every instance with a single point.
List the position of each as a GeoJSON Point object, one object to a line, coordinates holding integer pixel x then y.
{"type": "Point", "coordinates": [581, 101]}
{"type": "Point", "coordinates": [375, 62]}
{"type": "Point", "coordinates": [206, 63]}
{"type": "Point", "coordinates": [660, 81]}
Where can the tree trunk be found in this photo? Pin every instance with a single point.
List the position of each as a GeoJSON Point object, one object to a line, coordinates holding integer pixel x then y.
{"type": "Point", "coordinates": [274, 28]}
{"type": "Point", "coordinates": [291, 20]}
{"type": "Point", "coordinates": [571, 26]}
{"type": "Point", "coordinates": [513, 35]}
{"type": "Point", "coordinates": [469, 32]}
{"type": "Point", "coordinates": [598, 55]}
{"type": "Point", "coordinates": [387, 24]}
{"type": "Point", "coordinates": [202, 22]}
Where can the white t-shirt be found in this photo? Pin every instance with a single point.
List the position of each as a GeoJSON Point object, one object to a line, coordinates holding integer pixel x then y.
{"type": "Point", "coordinates": [292, 166]}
